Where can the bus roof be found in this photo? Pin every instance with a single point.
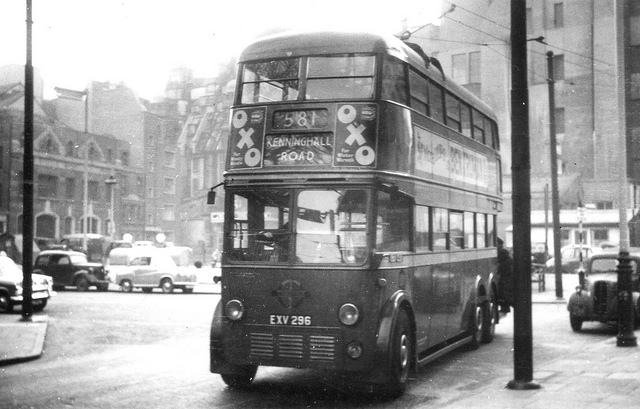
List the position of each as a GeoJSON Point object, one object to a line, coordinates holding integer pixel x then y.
{"type": "Point", "coordinates": [305, 43]}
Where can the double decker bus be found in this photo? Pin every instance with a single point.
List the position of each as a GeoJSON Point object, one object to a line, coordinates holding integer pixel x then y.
{"type": "Point", "coordinates": [361, 188]}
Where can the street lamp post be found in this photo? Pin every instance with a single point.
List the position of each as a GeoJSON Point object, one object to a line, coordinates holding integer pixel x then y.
{"type": "Point", "coordinates": [111, 183]}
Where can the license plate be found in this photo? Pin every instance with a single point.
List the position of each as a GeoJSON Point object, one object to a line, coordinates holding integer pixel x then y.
{"type": "Point", "coordinates": [296, 320]}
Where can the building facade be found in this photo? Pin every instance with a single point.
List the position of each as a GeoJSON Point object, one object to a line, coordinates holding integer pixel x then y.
{"type": "Point", "coordinates": [473, 47]}
{"type": "Point", "coordinates": [71, 169]}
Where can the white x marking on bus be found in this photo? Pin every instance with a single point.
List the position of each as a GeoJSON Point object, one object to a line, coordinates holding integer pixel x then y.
{"type": "Point", "coordinates": [246, 138]}
{"type": "Point", "coordinates": [355, 135]}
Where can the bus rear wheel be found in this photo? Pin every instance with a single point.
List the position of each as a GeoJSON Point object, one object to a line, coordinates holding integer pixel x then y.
{"type": "Point", "coordinates": [491, 317]}
{"type": "Point", "coordinates": [481, 316]}
{"type": "Point", "coordinates": [242, 378]}
{"type": "Point", "coordinates": [400, 357]}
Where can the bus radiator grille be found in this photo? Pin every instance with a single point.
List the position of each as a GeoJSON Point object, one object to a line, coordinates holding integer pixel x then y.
{"type": "Point", "coordinates": [297, 347]}
{"type": "Point", "coordinates": [322, 348]}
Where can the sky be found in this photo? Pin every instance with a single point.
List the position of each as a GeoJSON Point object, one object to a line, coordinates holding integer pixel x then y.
{"type": "Point", "coordinates": [138, 42]}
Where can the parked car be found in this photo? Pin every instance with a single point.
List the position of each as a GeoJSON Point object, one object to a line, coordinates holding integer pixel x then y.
{"type": "Point", "coordinates": [71, 268]}
{"type": "Point", "coordinates": [571, 258]}
{"type": "Point", "coordinates": [147, 268]}
{"type": "Point", "coordinates": [11, 276]}
{"type": "Point", "coordinates": [597, 299]}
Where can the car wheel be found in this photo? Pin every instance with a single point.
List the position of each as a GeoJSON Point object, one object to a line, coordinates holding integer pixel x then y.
{"type": "Point", "coordinates": [242, 379]}
{"type": "Point", "coordinates": [576, 322]}
{"type": "Point", "coordinates": [166, 285]}
{"type": "Point", "coordinates": [5, 303]}
{"type": "Point", "coordinates": [400, 358]}
{"type": "Point", "coordinates": [40, 306]}
{"type": "Point", "coordinates": [82, 284]}
{"type": "Point", "coordinates": [126, 286]}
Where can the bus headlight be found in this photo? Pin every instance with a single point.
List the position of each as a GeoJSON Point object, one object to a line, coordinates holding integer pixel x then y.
{"type": "Point", "coordinates": [349, 314]}
{"type": "Point", "coordinates": [234, 310]}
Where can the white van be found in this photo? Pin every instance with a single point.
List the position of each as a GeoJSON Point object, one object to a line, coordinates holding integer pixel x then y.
{"type": "Point", "coordinates": [147, 268]}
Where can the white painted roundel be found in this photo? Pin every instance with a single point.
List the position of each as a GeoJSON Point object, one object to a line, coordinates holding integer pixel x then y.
{"type": "Point", "coordinates": [347, 114]}
{"type": "Point", "coordinates": [239, 119]}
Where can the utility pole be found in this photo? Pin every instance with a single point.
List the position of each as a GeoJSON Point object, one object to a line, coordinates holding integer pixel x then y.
{"type": "Point", "coordinates": [555, 195]}
{"type": "Point", "coordinates": [521, 188]}
{"type": "Point", "coordinates": [27, 182]}
{"type": "Point", "coordinates": [625, 337]}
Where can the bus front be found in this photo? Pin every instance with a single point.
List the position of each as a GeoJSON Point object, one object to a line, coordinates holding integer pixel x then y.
{"type": "Point", "coordinates": [301, 189]}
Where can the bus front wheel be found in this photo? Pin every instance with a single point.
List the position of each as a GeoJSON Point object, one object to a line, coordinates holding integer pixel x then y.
{"type": "Point", "coordinates": [400, 357]}
{"type": "Point", "coordinates": [242, 378]}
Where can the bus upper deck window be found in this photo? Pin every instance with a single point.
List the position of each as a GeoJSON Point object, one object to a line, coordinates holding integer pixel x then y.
{"type": "Point", "coordinates": [270, 81]}
{"type": "Point", "coordinates": [340, 77]}
{"type": "Point", "coordinates": [394, 82]}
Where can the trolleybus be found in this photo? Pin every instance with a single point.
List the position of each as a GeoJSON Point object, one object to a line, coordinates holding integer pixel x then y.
{"type": "Point", "coordinates": [361, 189]}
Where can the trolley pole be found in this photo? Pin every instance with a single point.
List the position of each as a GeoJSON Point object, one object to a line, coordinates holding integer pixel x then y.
{"type": "Point", "coordinates": [521, 188]}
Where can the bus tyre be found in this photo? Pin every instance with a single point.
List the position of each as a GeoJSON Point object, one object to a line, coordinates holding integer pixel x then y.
{"type": "Point", "coordinates": [490, 319]}
{"type": "Point", "coordinates": [479, 318]}
{"type": "Point", "coordinates": [242, 378]}
{"type": "Point", "coordinates": [400, 357]}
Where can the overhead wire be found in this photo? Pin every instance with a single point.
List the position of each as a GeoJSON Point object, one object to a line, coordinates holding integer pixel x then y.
{"type": "Point", "coordinates": [567, 61]}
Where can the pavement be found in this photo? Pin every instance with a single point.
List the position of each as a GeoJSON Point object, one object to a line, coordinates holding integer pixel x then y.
{"type": "Point", "coordinates": [599, 377]}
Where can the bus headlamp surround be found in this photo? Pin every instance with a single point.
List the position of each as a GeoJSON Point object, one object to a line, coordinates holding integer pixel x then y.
{"type": "Point", "coordinates": [234, 310]}
{"type": "Point", "coordinates": [349, 314]}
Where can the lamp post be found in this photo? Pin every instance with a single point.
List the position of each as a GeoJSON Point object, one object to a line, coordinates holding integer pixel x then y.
{"type": "Point", "coordinates": [111, 183]}
{"type": "Point", "coordinates": [85, 182]}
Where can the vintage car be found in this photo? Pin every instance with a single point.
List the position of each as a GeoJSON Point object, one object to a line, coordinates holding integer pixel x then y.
{"type": "Point", "coordinates": [571, 258]}
{"type": "Point", "coordinates": [597, 299]}
{"type": "Point", "coordinates": [71, 268]}
{"type": "Point", "coordinates": [11, 276]}
{"type": "Point", "coordinates": [148, 267]}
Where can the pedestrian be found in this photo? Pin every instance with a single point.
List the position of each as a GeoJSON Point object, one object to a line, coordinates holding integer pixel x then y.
{"type": "Point", "coordinates": [505, 278]}
{"type": "Point", "coordinates": [215, 258]}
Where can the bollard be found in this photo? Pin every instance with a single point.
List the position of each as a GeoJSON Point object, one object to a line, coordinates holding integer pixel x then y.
{"type": "Point", "coordinates": [625, 337]}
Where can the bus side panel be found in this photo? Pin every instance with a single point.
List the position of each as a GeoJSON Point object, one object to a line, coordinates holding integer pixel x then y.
{"type": "Point", "coordinates": [472, 277]}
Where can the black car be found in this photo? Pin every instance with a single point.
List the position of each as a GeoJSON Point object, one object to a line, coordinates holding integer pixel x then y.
{"type": "Point", "coordinates": [71, 268]}
{"type": "Point", "coordinates": [597, 300]}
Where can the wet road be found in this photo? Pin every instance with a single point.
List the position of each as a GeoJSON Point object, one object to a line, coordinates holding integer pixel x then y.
{"type": "Point", "coordinates": [115, 350]}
